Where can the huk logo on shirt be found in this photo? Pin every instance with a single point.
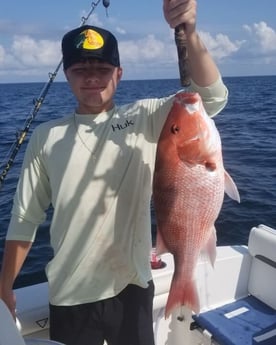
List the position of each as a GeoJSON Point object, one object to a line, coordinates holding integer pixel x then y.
{"type": "Point", "coordinates": [119, 127]}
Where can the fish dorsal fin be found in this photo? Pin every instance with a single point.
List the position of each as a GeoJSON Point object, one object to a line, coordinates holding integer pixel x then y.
{"type": "Point", "coordinates": [230, 187]}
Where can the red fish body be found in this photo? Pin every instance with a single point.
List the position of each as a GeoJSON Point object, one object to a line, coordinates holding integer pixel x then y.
{"type": "Point", "coordinates": [188, 191]}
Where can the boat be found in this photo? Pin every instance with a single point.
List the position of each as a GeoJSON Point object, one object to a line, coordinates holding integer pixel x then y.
{"type": "Point", "coordinates": [237, 299]}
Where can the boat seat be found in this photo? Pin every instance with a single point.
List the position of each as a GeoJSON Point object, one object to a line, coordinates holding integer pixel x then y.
{"type": "Point", "coordinates": [252, 319]}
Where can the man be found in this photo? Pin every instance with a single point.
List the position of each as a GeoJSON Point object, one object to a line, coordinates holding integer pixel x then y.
{"type": "Point", "coordinates": [95, 167]}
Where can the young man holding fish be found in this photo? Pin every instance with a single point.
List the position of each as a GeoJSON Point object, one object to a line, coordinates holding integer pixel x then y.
{"type": "Point", "coordinates": [95, 167]}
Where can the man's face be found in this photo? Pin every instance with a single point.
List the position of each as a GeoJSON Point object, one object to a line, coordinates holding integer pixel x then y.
{"type": "Point", "coordinates": [93, 83]}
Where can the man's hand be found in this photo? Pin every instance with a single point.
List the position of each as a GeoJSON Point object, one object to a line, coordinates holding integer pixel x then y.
{"type": "Point", "coordinates": [178, 12]}
{"type": "Point", "coordinates": [8, 296]}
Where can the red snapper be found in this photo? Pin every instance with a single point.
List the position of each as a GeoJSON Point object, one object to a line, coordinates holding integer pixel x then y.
{"type": "Point", "coordinates": [188, 190]}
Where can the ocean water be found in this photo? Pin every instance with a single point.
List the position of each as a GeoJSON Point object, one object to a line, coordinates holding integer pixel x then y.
{"type": "Point", "coordinates": [248, 130]}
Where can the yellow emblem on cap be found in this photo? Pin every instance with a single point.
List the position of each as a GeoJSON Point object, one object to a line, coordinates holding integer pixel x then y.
{"type": "Point", "coordinates": [92, 39]}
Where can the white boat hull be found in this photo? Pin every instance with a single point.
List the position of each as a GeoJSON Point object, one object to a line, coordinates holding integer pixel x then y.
{"type": "Point", "coordinates": [32, 301]}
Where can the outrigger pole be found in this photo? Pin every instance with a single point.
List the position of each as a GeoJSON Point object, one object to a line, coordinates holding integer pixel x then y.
{"type": "Point", "coordinates": [38, 103]}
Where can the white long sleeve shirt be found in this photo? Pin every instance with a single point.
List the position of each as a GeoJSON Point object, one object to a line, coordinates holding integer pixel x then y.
{"type": "Point", "coordinates": [96, 170]}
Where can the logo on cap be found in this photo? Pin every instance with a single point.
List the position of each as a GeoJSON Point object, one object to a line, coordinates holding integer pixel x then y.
{"type": "Point", "coordinates": [89, 39]}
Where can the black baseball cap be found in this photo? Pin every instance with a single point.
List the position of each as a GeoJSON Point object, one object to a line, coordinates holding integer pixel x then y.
{"type": "Point", "coordinates": [87, 42]}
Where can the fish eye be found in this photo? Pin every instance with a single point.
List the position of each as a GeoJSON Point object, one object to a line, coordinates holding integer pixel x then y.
{"type": "Point", "coordinates": [210, 166]}
{"type": "Point", "coordinates": [175, 129]}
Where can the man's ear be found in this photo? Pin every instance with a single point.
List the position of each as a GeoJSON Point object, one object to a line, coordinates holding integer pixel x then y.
{"type": "Point", "coordinates": [119, 73]}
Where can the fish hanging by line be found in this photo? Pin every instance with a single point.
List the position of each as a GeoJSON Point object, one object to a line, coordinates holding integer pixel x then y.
{"type": "Point", "coordinates": [188, 190]}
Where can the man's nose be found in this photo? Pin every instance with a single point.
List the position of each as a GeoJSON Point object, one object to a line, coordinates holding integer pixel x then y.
{"type": "Point", "coordinates": [92, 75]}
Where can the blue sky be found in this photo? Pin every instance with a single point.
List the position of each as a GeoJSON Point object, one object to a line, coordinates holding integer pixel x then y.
{"type": "Point", "coordinates": [240, 34]}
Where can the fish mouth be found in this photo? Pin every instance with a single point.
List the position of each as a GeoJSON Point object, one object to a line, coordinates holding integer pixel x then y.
{"type": "Point", "coordinates": [191, 108]}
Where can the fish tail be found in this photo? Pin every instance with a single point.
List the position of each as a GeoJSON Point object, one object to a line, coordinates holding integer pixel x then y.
{"type": "Point", "coordinates": [182, 295]}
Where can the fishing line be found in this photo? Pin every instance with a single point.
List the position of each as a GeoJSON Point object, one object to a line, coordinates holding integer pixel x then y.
{"type": "Point", "coordinates": [21, 135]}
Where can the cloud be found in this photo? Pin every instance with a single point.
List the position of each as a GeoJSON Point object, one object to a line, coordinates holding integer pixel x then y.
{"type": "Point", "coordinates": [145, 49]}
{"type": "Point", "coordinates": [26, 53]}
{"type": "Point", "coordinates": [148, 56]}
{"type": "Point", "coordinates": [31, 53]}
{"type": "Point", "coordinates": [120, 30]}
{"type": "Point", "coordinates": [259, 51]}
{"type": "Point", "coordinates": [263, 37]}
{"type": "Point", "coordinates": [159, 51]}
{"type": "Point", "coordinates": [28, 59]}
{"type": "Point", "coordinates": [220, 46]}
{"type": "Point", "coordinates": [2, 55]}
{"type": "Point", "coordinates": [142, 56]}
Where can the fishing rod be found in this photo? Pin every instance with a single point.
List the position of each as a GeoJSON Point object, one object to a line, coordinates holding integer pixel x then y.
{"type": "Point", "coordinates": [21, 135]}
{"type": "Point", "coordinates": [181, 44]}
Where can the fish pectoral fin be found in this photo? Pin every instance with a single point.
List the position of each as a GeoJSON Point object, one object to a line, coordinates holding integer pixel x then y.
{"type": "Point", "coordinates": [160, 245]}
{"type": "Point", "coordinates": [230, 187]}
